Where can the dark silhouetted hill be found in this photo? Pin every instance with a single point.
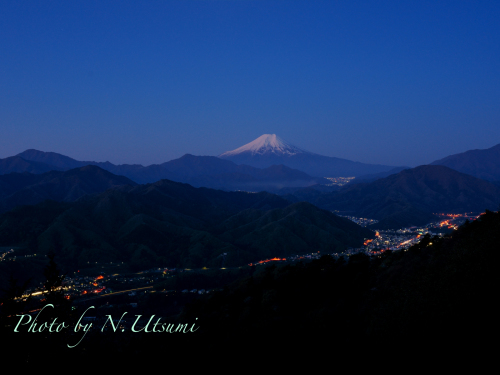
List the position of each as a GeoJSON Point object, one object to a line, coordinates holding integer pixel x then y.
{"type": "Point", "coordinates": [438, 293]}
{"type": "Point", "coordinates": [16, 164]}
{"type": "Point", "coordinates": [376, 176]}
{"type": "Point", "coordinates": [173, 224]}
{"type": "Point", "coordinates": [18, 189]}
{"type": "Point", "coordinates": [483, 164]}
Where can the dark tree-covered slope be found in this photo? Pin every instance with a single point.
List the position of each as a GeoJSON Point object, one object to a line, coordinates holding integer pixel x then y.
{"type": "Point", "coordinates": [483, 164]}
{"type": "Point", "coordinates": [439, 292]}
{"type": "Point", "coordinates": [174, 224]}
{"type": "Point", "coordinates": [18, 189]}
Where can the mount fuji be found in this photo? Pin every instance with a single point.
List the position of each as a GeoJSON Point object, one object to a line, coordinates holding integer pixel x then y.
{"type": "Point", "coordinates": [269, 149]}
{"type": "Point", "coordinates": [266, 144]}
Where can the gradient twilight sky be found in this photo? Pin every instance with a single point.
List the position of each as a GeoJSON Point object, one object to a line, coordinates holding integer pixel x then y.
{"type": "Point", "coordinates": [387, 82]}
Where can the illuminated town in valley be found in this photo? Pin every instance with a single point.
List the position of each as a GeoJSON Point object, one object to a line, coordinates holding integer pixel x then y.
{"type": "Point", "coordinates": [339, 181]}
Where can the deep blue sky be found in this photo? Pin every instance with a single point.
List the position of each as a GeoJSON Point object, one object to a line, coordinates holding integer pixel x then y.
{"type": "Point", "coordinates": [396, 82]}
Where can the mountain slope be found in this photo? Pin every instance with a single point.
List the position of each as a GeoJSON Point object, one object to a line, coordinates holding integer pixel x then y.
{"type": "Point", "coordinates": [376, 176]}
{"type": "Point", "coordinates": [135, 172]}
{"type": "Point", "coordinates": [438, 292]}
{"type": "Point", "coordinates": [20, 189]}
{"type": "Point", "coordinates": [17, 164]}
{"type": "Point", "coordinates": [290, 230]}
{"type": "Point", "coordinates": [212, 172]}
{"type": "Point", "coordinates": [174, 224]}
{"type": "Point", "coordinates": [206, 171]}
{"type": "Point", "coordinates": [483, 164]}
{"type": "Point", "coordinates": [51, 158]}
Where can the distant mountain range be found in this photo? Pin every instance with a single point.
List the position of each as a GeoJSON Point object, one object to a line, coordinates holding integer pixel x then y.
{"type": "Point", "coordinates": [174, 224]}
{"type": "Point", "coordinates": [483, 164]}
{"type": "Point", "coordinates": [210, 171]}
{"type": "Point", "coordinates": [409, 197]}
{"type": "Point", "coordinates": [17, 164]}
{"type": "Point", "coordinates": [396, 196]}
{"type": "Point", "coordinates": [207, 171]}
{"type": "Point", "coordinates": [246, 168]}
{"type": "Point", "coordinates": [269, 149]}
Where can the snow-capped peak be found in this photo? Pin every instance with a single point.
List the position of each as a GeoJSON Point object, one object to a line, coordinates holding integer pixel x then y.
{"type": "Point", "coordinates": [266, 143]}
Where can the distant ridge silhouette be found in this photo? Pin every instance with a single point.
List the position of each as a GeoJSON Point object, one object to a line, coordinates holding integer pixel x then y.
{"type": "Point", "coordinates": [483, 164]}
{"type": "Point", "coordinates": [269, 149]}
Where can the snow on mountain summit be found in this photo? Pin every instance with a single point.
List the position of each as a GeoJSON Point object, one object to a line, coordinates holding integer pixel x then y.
{"type": "Point", "coordinates": [265, 144]}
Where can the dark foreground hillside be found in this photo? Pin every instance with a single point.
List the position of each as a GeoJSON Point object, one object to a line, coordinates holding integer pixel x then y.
{"type": "Point", "coordinates": [438, 295]}
{"type": "Point", "coordinates": [441, 290]}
